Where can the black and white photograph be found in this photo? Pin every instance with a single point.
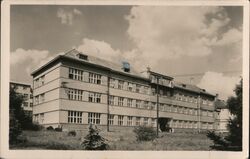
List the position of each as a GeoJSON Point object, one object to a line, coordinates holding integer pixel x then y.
{"type": "Point", "coordinates": [139, 77]}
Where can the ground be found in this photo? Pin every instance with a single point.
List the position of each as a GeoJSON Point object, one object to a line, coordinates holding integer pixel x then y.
{"type": "Point", "coordinates": [117, 141]}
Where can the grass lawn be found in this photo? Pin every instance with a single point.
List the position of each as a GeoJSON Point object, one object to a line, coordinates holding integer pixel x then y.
{"type": "Point", "coordinates": [116, 140]}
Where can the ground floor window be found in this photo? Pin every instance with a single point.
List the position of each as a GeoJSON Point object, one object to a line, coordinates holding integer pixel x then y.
{"type": "Point", "coordinates": [120, 119]}
{"type": "Point", "coordinates": [111, 119]}
{"type": "Point", "coordinates": [129, 120]}
{"type": "Point", "coordinates": [94, 118]}
{"type": "Point", "coordinates": [137, 121]}
{"type": "Point", "coordinates": [74, 117]}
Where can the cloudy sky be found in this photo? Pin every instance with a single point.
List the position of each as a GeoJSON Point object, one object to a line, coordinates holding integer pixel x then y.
{"type": "Point", "coordinates": [199, 45]}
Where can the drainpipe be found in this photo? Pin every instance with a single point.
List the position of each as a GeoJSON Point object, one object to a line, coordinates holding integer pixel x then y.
{"type": "Point", "coordinates": [199, 113]}
{"type": "Point", "coordinates": [108, 101]}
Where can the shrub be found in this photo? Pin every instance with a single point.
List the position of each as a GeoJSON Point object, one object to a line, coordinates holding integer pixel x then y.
{"type": "Point", "coordinates": [144, 133]}
{"type": "Point", "coordinates": [15, 131]}
{"type": "Point", "coordinates": [50, 128]}
{"type": "Point", "coordinates": [34, 127]}
{"type": "Point", "coordinates": [94, 141]}
{"type": "Point", "coordinates": [58, 129]}
{"type": "Point", "coordinates": [72, 133]}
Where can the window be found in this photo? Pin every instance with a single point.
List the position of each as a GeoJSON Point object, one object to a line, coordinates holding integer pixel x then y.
{"type": "Point", "coordinates": [153, 122]}
{"type": "Point", "coordinates": [138, 104]}
{"type": "Point", "coordinates": [120, 84]}
{"type": "Point", "coordinates": [31, 96]}
{"type": "Point", "coordinates": [195, 100]}
{"type": "Point", "coordinates": [129, 121]}
{"type": "Point", "coordinates": [111, 119]}
{"type": "Point", "coordinates": [204, 113]}
{"type": "Point", "coordinates": [112, 83]}
{"type": "Point", "coordinates": [154, 105]}
{"type": "Point", "coordinates": [210, 114]}
{"type": "Point", "coordinates": [130, 86]}
{"type": "Point", "coordinates": [137, 121]}
{"type": "Point", "coordinates": [111, 100]}
{"type": "Point", "coordinates": [75, 94]}
{"type": "Point", "coordinates": [42, 80]}
{"type": "Point", "coordinates": [41, 117]}
{"type": "Point", "coordinates": [75, 74]}
{"type": "Point", "coordinates": [94, 78]}
{"type": "Point", "coordinates": [94, 97]}
{"type": "Point", "coordinates": [36, 99]}
{"type": "Point", "coordinates": [25, 96]}
{"type": "Point", "coordinates": [195, 112]}
{"type": "Point", "coordinates": [153, 91]}
{"type": "Point", "coordinates": [36, 83]}
{"type": "Point", "coordinates": [190, 111]}
{"type": "Point", "coordinates": [120, 101]}
{"type": "Point", "coordinates": [42, 98]}
{"type": "Point", "coordinates": [195, 125]}
{"type": "Point", "coordinates": [31, 104]}
{"type": "Point", "coordinates": [74, 117]}
{"type": "Point", "coordinates": [145, 121]}
{"type": "Point", "coordinates": [25, 104]}
{"type": "Point", "coordinates": [145, 89]}
{"type": "Point", "coordinates": [161, 107]}
{"type": "Point", "coordinates": [129, 102]}
{"type": "Point", "coordinates": [137, 89]}
{"type": "Point", "coordinates": [174, 109]}
{"type": "Point", "coordinates": [94, 118]}
{"type": "Point", "coordinates": [146, 104]}
{"type": "Point", "coordinates": [120, 119]}
{"type": "Point", "coordinates": [36, 118]}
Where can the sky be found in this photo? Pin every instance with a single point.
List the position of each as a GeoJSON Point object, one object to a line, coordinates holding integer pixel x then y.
{"type": "Point", "coordinates": [173, 40]}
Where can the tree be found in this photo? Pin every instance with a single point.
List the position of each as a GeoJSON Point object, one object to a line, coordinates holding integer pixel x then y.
{"type": "Point", "coordinates": [233, 141]}
{"type": "Point", "coordinates": [15, 114]}
{"type": "Point", "coordinates": [94, 141]}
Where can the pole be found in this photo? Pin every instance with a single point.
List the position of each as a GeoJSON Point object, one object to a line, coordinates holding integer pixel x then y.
{"type": "Point", "coordinates": [108, 103]}
{"type": "Point", "coordinates": [157, 109]}
{"type": "Point", "coordinates": [199, 113]}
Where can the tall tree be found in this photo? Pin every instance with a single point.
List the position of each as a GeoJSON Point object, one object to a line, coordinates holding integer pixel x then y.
{"type": "Point", "coordinates": [233, 141]}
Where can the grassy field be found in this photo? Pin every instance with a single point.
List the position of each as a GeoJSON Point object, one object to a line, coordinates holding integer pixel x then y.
{"type": "Point", "coordinates": [116, 140]}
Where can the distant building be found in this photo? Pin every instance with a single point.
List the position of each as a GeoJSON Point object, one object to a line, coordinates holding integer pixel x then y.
{"type": "Point", "coordinates": [223, 115]}
{"type": "Point", "coordinates": [74, 90]}
{"type": "Point", "coordinates": [26, 91]}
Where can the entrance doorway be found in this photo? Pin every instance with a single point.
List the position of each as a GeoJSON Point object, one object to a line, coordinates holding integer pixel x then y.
{"type": "Point", "coordinates": [164, 124]}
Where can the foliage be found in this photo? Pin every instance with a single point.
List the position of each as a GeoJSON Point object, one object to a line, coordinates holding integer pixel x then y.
{"type": "Point", "coordinates": [58, 129]}
{"type": "Point", "coordinates": [144, 133]}
{"type": "Point", "coordinates": [50, 128]}
{"type": "Point", "coordinates": [72, 133]}
{"type": "Point", "coordinates": [15, 130]}
{"type": "Point", "coordinates": [233, 141]}
{"type": "Point", "coordinates": [94, 141]}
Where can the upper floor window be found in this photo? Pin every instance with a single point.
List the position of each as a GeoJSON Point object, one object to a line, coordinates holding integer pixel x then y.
{"type": "Point", "coordinates": [120, 84]}
{"type": "Point", "coordinates": [42, 80]}
{"type": "Point", "coordinates": [37, 99]}
{"type": "Point", "coordinates": [25, 104]}
{"type": "Point", "coordinates": [146, 89]}
{"type": "Point", "coordinates": [129, 102]}
{"type": "Point", "coordinates": [153, 91]}
{"type": "Point", "coordinates": [25, 96]}
{"type": "Point", "coordinates": [112, 83]}
{"type": "Point", "coordinates": [138, 104]}
{"type": "Point", "coordinates": [94, 78]}
{"type": "Point", "coordinates": [42, 97]}
{"type": "Point", "coordinates": [130, 86]}
{"type": "Point", "coordinates": [74, 94]}
{"type": "Point", "coordinates": [111, 119]}
{"type": "Point", "coordinates": [111, 100]}
{"type": "Point", "coordinates": [75, 74]}
{"type": "Point", "coordinates": [137, 89]}
{"type": "Point", "coordinates": [94, 97]}
{"type": "Point", "coordinates": [120, 101]}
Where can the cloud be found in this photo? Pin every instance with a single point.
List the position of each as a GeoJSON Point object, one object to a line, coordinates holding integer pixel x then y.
{"type": "Point", "coordinates": [215, 82]}
{"type": "Point", "coordinates": [67, 16]}
{"type": "Point", "coordinates": [173, 32]}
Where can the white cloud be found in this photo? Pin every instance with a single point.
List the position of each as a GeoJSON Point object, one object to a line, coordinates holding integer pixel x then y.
{"type": "Point", "coordinates": [173, 32]}
{"type": "Point", "coordinates": [215, 82]}
{"type": "Point", "coordinates": [67, 16]}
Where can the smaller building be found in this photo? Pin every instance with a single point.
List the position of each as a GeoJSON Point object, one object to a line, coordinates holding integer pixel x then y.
{"type": "Point", "coordinates": [223, 115]}
{"type": "Point", "coordinates": [26, 91]}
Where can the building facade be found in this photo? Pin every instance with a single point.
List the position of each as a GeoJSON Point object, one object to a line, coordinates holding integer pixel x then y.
{"type": "Point", "coordinates": [74, 90]}
{"type": "Point", "coordinates": [26, 91]}
{"type": "Point", "coordinates": [223, 116]}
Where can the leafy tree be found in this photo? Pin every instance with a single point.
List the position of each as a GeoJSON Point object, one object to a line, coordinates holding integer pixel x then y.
{"type": "Point", "coordinates": [94, 141]}
{"type": "Point", "coordinates": [233, 141]}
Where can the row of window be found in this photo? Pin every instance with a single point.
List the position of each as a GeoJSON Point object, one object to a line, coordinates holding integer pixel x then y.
{"type": "Point", "coordinates": [191, 99]}
{"type": "Point", "coordinates": [39, 118]}
{"type": "Point", "coordinates": [84, 76]}
{"type": "Point", "coordinates": [190, 124]}
{"type": "Point", "coordinates": [95, 118]}
{"type": "Point", "coordinates": [75, 94]}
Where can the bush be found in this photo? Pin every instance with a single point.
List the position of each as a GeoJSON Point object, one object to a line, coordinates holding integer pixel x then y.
{"type": "Point", "coordinates": [15, 131]}
{"type": "Point", "coordinates": [144, 133]}
{"type": "Point", "coordinates": [72, 133]}
{"type": "Point", "coordinates": [94, 141]}
{"type": "Point", "coordinates": [50, 128]}
{"type": "Point", "coordinates": [34, 127]}
{"type": "Point", "coordinates": [58, 129]}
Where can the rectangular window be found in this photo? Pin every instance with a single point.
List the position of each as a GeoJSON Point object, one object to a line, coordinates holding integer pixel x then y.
{"type": "Point", "coordinates": [130, 86]}
{"type": "Point", "coordinates": [153, 122]}
{"type": "Point", "coordinates": [95, 78]}
{"type": "Point", "coordinates": [74, 117]}
{"type": "Point", "coordinates": [31, 104]}
{"type": "Point", "coordinates": [129, 102]}
{"type": "Point", "coordinates": [75, 74]}
{"type": "Point", "coordinates": [145, 121]}
{"type": "Point", "coordinates": [138, 104]}
{"type": "Point", "coordinates": [120, 101]}
{"type": "Point", "coordinates": [94, 118]}
{"type": "Point", "coordinates": [25, 104]}
{"type": "Point", "coordinates": [154, 105]}
{"type": "Point", "coordinates": [210, 114]}
{"type": "Point", "coordinates": [137, 121]}
{"type": "Point", "coordinates": [137, 89]}
{"type": "Point", "coordinates": [120, 119]}
{"type": "Point", "coordinates": [129, 121]}
{"type": "Point", "coordinates": [111, 119]}
{"type": "Point", "coordinates": [42, 98]}
{"type": "Point", "coordinates": [153, 91]}
{"type": "Point", "coordinates": [111, 100]}
{"type": "Point", "coordinates": [112, 83]}
{"type": "Point", "coordinates": [94, 97]}
{"type": "Point", "coordinates": [120, 84]}
{"type": "Point", "coordinates": [75, 94]}
{"type": "Point", "coordinates": [146, 104]}
{"type": "Point", "coordinates": [41, 117]}
{"type": "Point", "coordinates": [174, 109]}
{"type": "Point", "coordinates": [42, 80]}
{"type": "Point", "coordinates": [25, 96]}
{"type": "Point", "coordinates": [37, 99]}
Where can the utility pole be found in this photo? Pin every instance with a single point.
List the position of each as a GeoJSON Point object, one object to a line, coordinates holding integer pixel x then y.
{"type": "Point", "coordinates": [108, 102]}
{"type": "Point", "coordinates": [157, 109]}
